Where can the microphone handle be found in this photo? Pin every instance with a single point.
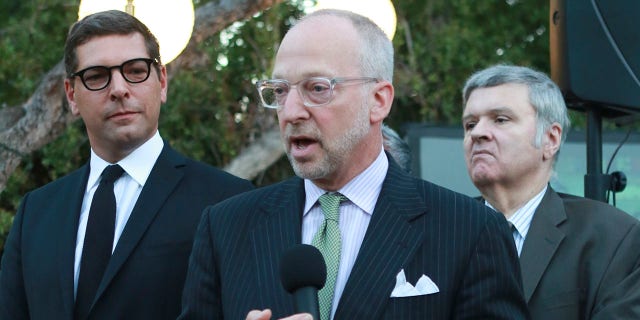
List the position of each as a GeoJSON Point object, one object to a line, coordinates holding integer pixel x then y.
{"type": "Point", "coordinates": [306, 301]}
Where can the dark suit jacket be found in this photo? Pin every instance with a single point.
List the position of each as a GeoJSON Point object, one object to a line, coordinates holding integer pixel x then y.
{"type": "Point", "coordinates": [145, 276]}
{"type": "Point", "coordinates": [581, 260]}
{"type": "Point", "coordinates": [464, 247]}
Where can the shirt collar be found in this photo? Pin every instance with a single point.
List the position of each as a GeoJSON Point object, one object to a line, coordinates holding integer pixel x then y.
{"type": "Point", "coordinates": [372, 177]}
{"type": "Point", "coordinates": [521, 218]}
{"type": "Point", "coordinates": [137, 164]}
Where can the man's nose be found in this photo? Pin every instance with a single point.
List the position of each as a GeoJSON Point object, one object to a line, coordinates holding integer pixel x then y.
{"type": "Point", "coordinates": [118, 86]}
{"type": "Point", "coordinates": [481, 130]}
{"type": "Point", "coordinates": [293, 108]}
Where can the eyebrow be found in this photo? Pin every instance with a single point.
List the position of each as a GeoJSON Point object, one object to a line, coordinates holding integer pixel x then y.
{"type": "Point", "coordinates": [492, 111]}
{"type": "Point", "coordinates": [467, 117]}
{"type": "Point", "coordinates": [502, 110]}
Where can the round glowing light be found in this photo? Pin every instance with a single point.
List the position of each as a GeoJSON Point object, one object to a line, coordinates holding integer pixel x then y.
{"type": "Point", "coordinates": [171, 21]}
{"type": "Point", "coordinates": [381, 12]}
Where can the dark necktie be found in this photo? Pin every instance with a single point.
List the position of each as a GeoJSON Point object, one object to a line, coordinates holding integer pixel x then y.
{"type": "Point", "coordinates": [514, 230]}
{"type": "Point", "coordinates": [98, 241]}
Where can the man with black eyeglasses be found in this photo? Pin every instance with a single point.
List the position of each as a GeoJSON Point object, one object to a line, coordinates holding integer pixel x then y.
{"type": "Point", "coordinates": [394, 246]}
{"type": "Point", "coordinates": [111, 240]}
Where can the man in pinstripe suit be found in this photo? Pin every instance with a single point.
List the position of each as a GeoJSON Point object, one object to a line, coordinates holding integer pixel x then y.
{"type": "Point", "coordinates": [332, 90]}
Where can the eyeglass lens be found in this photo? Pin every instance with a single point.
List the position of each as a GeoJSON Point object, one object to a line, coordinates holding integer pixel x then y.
{"type": "Point", "coordinates": [314, 92]}
{"type": "Point", "coordinates": [133, 71]}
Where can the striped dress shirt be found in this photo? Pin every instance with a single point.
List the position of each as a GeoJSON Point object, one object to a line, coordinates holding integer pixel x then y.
{"type": "Point", "coordinates": [355, 214]}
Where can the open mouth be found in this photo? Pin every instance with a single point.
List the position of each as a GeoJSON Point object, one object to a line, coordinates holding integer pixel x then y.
{"type": "Point", "coordinates": [302, 143]}
{"type": "Point", "coordinates": [303, 147]}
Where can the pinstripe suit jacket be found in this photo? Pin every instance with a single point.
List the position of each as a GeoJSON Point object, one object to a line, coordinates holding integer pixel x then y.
{"type": "Point", "coordinates": [465, 248]}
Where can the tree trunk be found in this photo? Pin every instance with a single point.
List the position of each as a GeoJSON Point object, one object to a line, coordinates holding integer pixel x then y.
{"type": "Point", "coordinates": [45, 115]}
{"type": "Point", "coordinates": [258, 156]}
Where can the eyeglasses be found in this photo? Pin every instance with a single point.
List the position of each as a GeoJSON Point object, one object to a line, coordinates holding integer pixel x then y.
{"type": "Point", "coordinates": [315, 92]}
{"type": "Point", "coordinates": [98, 77]}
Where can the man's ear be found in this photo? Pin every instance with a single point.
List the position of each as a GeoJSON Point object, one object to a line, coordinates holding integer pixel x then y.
{"type": "Point", "coordinates": [70, 94]}
{"type": "Point", "coordinates": [382, 101]}
{"type": "Point", "coordinates": [553, 138]}
{"type": "Point", "coordinates": [164, 84]}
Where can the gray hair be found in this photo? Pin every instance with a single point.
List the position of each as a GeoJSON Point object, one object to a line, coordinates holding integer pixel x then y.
{"type": "Point", "coordinates": [396, 147]}
{"type": "Point", "coordinates": [544, 95]}
{"type": "Point", "coordinates": [376, 50]}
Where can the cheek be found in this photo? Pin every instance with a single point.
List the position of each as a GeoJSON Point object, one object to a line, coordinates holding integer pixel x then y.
{"type": "Point", "coordinates": [524, 143]}
{"type": "Point", "coordinates": [467, 145]}
{"type": "Point", "coordinates": [89, 107]}
{"type": "Point", "coordinates": [80, 105]}
{"type": "Point", "coordinates": [466, 142]}
{"type": "Point", "coordinates": [89, 116]}
{"type": "Point", "coordinates": [281, 123]}
{"type": "Point", "coordinates": [155, 108]}
{"type": "Point", "coordinates": [74, 108]}
{"type": "Point", "coordinates": [340, 124]}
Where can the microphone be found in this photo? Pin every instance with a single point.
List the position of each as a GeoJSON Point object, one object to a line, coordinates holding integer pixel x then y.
{"type": "Point", "coordinates": [303, 272]}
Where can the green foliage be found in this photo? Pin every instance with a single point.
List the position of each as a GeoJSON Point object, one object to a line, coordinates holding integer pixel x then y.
{"type": "Point", "coordinates": [32, 35]}
{"type": "Point", "coordinates": [6, 220]}
{"type": "Point", "coordinates": [440, 43]}
{"type": "Point", "coordinates": [212, 112]}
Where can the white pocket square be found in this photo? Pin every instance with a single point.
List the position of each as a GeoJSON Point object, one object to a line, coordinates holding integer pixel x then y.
{"type": "Point", "coordinates": [403, 288]}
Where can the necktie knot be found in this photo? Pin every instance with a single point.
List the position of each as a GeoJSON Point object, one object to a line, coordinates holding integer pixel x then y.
{"type": "Point", "coordinates": [330, 205]}
{"type": "Point", "coordinates": [111, 173]}
{"type": "Point", "coordinates": [512, 227]}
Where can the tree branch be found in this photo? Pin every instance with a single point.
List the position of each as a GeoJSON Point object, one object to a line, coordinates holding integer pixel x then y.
{"type": "Point", "coordinates": [45, 115]}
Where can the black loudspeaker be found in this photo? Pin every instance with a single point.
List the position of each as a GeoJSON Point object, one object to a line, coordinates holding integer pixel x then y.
{"type": "Point", "coordinates": [595, 53]}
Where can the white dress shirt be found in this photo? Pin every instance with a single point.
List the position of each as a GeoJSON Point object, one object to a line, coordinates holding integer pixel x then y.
{"type": "Point", "coordinates": [127, 188]}
{"type": "Point", "coordinates": [355, 214]}
{"type": "Point", "coordinates": [521, 219]}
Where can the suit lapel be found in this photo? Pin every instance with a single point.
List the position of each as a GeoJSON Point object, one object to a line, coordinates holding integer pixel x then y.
{"type": "Point", "coordinates": [542, 241]}
{"type": "Point", "coordinates": [164, 177]}
{"type": "Point", "coordinates": [279, 228]}
{"type": "Point", "coordinates": [70, 209]}
{"type": "Point", "coordinates": [390, 242]}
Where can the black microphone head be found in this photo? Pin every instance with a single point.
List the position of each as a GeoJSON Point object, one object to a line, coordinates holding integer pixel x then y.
{"type": "Point", "coordinates": [302, 266]}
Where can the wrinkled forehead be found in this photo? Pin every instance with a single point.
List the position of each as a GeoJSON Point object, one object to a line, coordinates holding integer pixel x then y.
{"type": "Point", "coordinates": [320, 46]}
{"type": "Point", "coordinates": [505, 96]}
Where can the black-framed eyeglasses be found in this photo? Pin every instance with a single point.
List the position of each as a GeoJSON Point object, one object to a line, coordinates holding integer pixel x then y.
{"type": "Point", "coordinates": [315, 91]}
{"type": "Point", "coordinates": [98, 77]}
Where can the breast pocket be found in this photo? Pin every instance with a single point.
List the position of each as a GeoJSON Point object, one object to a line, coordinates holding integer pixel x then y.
{"type": "Point", "coordinates": [430, 306]}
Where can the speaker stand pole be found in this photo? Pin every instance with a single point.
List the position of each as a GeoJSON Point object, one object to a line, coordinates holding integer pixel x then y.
{"type": "Point", "coordinates": [595, 182]}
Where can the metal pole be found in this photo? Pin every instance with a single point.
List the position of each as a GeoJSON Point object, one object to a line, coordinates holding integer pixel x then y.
{"type": "Point", "coordinates": [596, 183]}
{"type": "Point", "coordinates": [130, 8]}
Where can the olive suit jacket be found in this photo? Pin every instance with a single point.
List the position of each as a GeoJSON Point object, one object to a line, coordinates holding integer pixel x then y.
{"type": "Point", "coordinates": [581, 260]}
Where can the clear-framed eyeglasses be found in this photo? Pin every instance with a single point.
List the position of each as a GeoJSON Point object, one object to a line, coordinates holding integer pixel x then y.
{"type": "Point", "coordinates": [98, 77]}
{"type": "Point", "coordinates": [315, 91]}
